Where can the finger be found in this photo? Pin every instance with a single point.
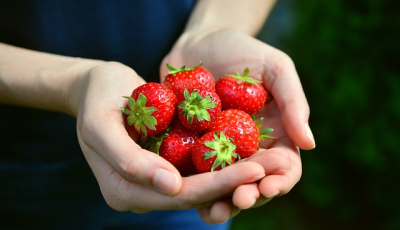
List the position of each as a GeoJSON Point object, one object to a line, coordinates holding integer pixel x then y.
{"type": "Point", "coordinates": [285, 86]}
{"type": "Point", "coordinates": [208, 187]}
{"type": "Point", "coordinates": [204, 214]}
{"type": "Point", "coordinates": [274, 160]}
{"type": "Point", "coordinates": [279, 184]}
{"type": "Point", "coordinates": [223, 210]}
{"type": "Point", "coordinates": [246, 196]}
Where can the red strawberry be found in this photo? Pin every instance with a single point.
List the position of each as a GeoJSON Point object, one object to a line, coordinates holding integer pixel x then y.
{"type": "Point", "coordinates": [241, 92]}
{"type": "Point", "coordinates": [198, 110]}
{"type": "Point", "coordinates": [192, 78]}
{"type": "Point", "coordinates": [175, 145]}
{"type": "Point", "coordinates": [213, 151]}
{"type": "Point", "coordinates": [240, 126]}
{"type": "Point", "coordinates": [150, 109]}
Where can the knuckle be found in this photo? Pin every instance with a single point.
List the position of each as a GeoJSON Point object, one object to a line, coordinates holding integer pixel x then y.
{"type": "Point", "coordinates": [282, 62]}
{"type": "Point", "coordinates": [129, 170]}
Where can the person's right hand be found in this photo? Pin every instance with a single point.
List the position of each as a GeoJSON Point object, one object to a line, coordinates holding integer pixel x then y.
{"type": "Point", "coordinates": [131, 178]}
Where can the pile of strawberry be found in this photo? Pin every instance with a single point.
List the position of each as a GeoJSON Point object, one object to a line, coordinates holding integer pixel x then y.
{"type": "Point", "coordinates": [195, 123]}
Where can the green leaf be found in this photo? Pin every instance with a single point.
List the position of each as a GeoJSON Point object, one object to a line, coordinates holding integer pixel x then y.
{"type": "Point", "coordinates": [149, 125]}
{"type": "Point", "coordinates": [195, 105]}
{"type": "Point", "coordinates": [173, 70]}
{"type": "Point", "coordinates": [125, 110]}
{"type": "Point", "coordinates": [240, 79]}
{"type": "Point", "coordinates": [137, 125]}
{"type": "Point", "coordinates": [141, 101]}
{"type": "Point", "coordinates": [223, 149]}
{"type": "Point", "coordinates": [139, 115]}
{"type": "Point", "coordinates": [209, 154]}
{"type": "Point", "coordinates": [266, 131]}
{"type": "Point", "coordinates": [143, 129]}
{"type": "Point", "coordinates": [149, 110]}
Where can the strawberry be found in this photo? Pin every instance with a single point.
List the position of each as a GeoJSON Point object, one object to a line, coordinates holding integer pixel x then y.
{"type": "Point", "coordinates": [174, 145]}
{"type": "Point", "coordinates": [240, 126]}
{"type": "Point", "coordinates": [241, 92]}
{"type": "Point", "coordinates": [191, 78]}
{"type": "Point", "coordinates": [150, 109]}
{"type": "Point", "coordinates": [197, 110]}
{"type": "Point", "coordinates": [213, 151]}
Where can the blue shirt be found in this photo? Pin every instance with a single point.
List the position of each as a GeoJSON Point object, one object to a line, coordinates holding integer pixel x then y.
{"type": "Point", "coordinates": [45, 182]}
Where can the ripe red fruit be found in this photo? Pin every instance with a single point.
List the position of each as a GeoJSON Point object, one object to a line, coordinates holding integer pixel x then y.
{"type": "Point", "coordinates": [213, 151]}
{"type": "Point", "coordinates": [191, 78]}
{"type": "Point", "coordinates": [150, 109]}
{"type": "Point", "coordinates": [239, 126]}
{"type": "Point", "coordinates": [197, 110]}
{"type": "Point", "coordinates": [241, 92]}
{"type": "Point", "coordinates": [175, 145]}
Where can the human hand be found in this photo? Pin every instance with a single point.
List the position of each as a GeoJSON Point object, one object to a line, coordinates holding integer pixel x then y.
{"type": "Point", "coordinates": [227, 52]}
{"type": "Point", "coordinates": [131, 178]}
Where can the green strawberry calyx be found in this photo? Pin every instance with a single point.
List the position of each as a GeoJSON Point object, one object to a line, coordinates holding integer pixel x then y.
{"type": "Point", "coordinates": [173, 70]}
{"type": "Point", "coordinates": [153, 143]}
{"type": "Point", "coordinates": [195, 105]}
{"type": "Point", "coordinates": [244, 78]}
{"type": "Point", "coordinates": [263, 132]}
{"type": "Point", "coordinates": [140, 116]}
{"type": "Point", "coordinates": [223, 149]}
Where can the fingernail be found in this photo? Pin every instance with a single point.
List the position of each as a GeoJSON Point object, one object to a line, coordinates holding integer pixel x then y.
{"type": "Point", "coordinates": [165, 181]}
{"type": "Point", "coordinates": [273, 194]}
{"type": "Point", "coordinates": [309, 134]}
{"type": "Point", "coordinates": [253, 203]}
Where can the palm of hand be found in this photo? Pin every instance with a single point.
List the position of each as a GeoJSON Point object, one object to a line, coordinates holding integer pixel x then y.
{"type": "Point", "coordinates": [228, 52]}
{"type": "Point", "coordinates": [125, 172]}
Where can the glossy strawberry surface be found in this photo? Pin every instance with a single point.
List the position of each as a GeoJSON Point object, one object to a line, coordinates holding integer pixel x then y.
{"type": "Point", "coordinates": [241, 92]}
{"type": "Point", "coordinates": [189, 78]}
{"type": "Point", "coordinates": [158, 105]}
{"type": "Point", "coordinates": [238, 125]}
{"type": "Point", "coordinates": [176, 147]}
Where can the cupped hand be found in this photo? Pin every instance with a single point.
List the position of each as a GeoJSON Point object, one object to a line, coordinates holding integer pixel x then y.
{"type": "Point", "coordinates": [129, 177]}
{"type": "Point", "coordinates": [227, 52]}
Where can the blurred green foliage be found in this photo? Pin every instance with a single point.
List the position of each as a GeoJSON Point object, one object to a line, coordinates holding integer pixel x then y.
{"type": "Point", "coordinates": [347, 56]}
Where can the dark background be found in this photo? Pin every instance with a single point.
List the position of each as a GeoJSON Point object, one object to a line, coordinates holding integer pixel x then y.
{"type": "Point", "coordinates": [346, 54]}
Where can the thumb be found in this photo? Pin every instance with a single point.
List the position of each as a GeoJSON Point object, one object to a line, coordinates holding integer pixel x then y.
{"type": "Point", "coordinates": [134, 164]}
{"type": "Point", "coordinates": [287, 90]}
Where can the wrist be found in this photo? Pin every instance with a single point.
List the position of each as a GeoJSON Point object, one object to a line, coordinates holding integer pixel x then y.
{"type": "Point", "coordinates": [72, 91]}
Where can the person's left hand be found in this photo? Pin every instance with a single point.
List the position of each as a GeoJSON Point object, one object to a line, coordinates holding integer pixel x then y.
{"type": "Point", "coordinates": [227, 52]}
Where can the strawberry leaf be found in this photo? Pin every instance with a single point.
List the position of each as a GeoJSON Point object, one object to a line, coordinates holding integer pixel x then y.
{"type": "Point", "coordinates": [140, 116]}
{"type": "Point", "coordinates": [263, 132]}
{"type": "Point", "coordinates": [173, 70]}
{"type": "Point", "coordinates": [223, 149]}
{"type": "Point", "coordinates": [195, 105]}
{"type": "Point", "coordinates": [153, 143]}
{"type": "Point", "coordinates": [240, 79]}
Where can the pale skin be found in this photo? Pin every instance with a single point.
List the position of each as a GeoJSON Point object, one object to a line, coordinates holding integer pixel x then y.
{"type": "Point", "coordinates": [133, 179]}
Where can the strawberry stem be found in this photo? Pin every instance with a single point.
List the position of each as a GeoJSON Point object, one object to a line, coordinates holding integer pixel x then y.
{"type": "Point", "coordinates": [244, 78]}
{"type": "Point", "coordinates": [173, 70]}
{"type": "Point", "coordinates": [153, 143]}
{"type": "Point", "coordinates": [263, 132]}
{"type": "Point", "coordinates": [223, 149]}
{"type": "Point", "coordinates": [195, 105]}
{"type": "Point", "coordinates": [140, 116]}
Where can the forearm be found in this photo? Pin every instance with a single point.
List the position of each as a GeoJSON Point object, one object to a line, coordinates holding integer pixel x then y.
{"type": "Point", "coordinates": [40, 80]}
{"type": "Point", "coordinates": [247, 16]}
